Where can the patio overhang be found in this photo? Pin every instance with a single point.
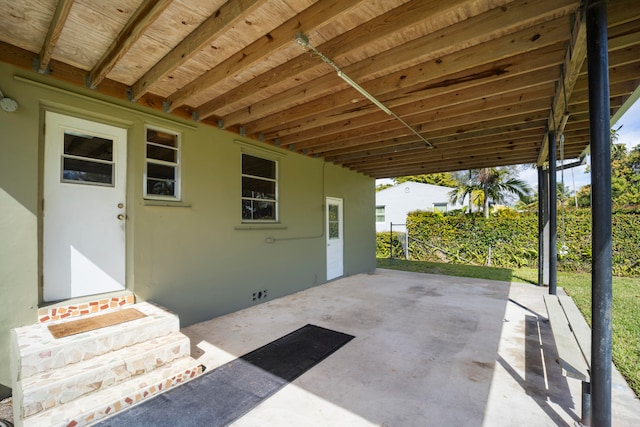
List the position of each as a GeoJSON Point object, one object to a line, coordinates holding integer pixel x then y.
{"type": "Point", "coordinates": [486, 83]}
{"type": "Point", "coordinates": [482, 81]}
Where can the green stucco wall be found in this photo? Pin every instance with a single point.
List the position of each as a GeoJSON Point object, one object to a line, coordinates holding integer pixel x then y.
{"type": "Point", "coordinates": [195, 258]}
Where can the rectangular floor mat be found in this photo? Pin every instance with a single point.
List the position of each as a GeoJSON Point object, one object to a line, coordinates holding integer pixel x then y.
{"type": "Point", "coordinates": [223, 395]}
{"type": "Point", "coordinates": [85, 324]}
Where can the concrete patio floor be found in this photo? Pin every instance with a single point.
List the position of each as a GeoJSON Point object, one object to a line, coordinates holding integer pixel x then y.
{"type": "Point", "coordinates": [429, 350]}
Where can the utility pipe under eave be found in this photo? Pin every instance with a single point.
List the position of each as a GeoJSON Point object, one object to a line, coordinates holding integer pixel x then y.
{"type": "Point", "coordinates": [601, 246]}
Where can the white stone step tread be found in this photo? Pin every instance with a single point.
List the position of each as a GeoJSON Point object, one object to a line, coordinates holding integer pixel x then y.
{"type": "Point", "coordinates": [48, 389]}
{"type": "Point", "coordinates": [93, 407]}
{"type": "Point", "coordinates": [38, 351]}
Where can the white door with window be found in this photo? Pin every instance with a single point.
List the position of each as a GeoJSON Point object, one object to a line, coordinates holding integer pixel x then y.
{"type": "Point", "coordinates": [335, 240]}
{"type": "Point", "coordinates": [84, 208]}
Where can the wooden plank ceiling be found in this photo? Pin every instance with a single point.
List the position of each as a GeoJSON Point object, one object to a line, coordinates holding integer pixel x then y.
{"type": "Point", "coordinates": [481, 80]}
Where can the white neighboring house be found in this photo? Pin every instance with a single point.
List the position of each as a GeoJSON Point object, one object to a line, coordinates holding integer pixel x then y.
{"type": "Point", "coordinates": [394, 203]}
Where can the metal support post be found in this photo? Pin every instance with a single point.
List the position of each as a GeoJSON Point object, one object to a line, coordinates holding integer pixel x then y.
{"type": "Point", "coordinates": [540, 227]}
{"type": "Point", "coordinates": [553, 223]}
{"type": "Point", "coordinates": [601, 280]}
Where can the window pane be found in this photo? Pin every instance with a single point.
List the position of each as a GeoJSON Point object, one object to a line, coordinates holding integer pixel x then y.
{"type": "Point", "coordinates": [334, 230]}
{"type": "Point", "coordinates": [88, 146]}
{"type": "Point", "coordinates": [164, 138]}
{"type": "Point", "coordinates": [333, 212]}
{"type": "Point", "coordinates": [256, 166]}
{"type": "Point", "coordinates": [162, 153]}
{"type": "Point", "coordinates": [161, 172]}
{"type": "Point", "coordinates": [160, 187]}
{"type": "Point", "coordinates": [258, 210]}
{"type": "Point", "coordinates": [87, 171]}
{"type": "Point", "coordinates": [258, 188]}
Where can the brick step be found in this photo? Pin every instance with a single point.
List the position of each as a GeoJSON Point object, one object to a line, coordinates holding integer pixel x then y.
{"type": "Point", "coordinates": [56, 387]}
{"type": "Point", "coordinates": [37, 351]}
{"type": "Point", "coordinates": [93, 407]}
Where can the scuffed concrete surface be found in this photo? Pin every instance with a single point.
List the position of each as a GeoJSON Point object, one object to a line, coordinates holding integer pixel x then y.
{"type": "Point", "coordinates": [430, 350]}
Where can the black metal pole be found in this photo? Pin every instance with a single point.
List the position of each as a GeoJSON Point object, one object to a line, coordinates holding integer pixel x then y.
{"type": "Point", "coordinates": [601, 280]}
{"type": "Point", "coordinates": [540, 226]}
{"type": "Point", "coordinates": [553, 223]}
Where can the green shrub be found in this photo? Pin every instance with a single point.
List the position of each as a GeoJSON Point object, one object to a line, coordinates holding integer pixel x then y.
{"type": "Point", "coordinates": [509, 239]}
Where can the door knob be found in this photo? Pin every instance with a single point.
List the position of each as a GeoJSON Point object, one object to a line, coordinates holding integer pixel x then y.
{"type": "Point", "coordinates": [121, 217]}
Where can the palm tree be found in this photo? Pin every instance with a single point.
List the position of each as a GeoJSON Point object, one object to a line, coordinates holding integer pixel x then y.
{"type": "Point", "coordinates": [491, 185]}
{"type": "Point", "coordinates": [466, 188]}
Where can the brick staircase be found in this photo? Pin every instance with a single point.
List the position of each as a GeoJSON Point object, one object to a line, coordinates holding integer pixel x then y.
{"type": "Point", "coordinates": [80, 379]}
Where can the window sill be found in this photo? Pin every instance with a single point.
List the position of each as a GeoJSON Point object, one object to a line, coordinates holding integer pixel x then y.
{"type": "Point", "coordinates": [260, 226]}
{"type": "Point", "coordinates": [166, 203]}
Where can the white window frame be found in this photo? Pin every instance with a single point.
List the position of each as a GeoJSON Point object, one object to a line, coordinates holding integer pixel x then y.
{"type": "Point", "coordinates": [384, 213]}
{"type": "Point", "coordinates": [277, 189]}
{"type": "Point", "coordinates": [176, 165]}
{"type": "Point", "coordinates": [441, 207]}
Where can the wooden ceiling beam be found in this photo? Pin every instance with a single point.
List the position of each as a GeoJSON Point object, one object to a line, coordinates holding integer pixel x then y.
{"type": "Point", "coordinates": [53, 33]}
{"type": "Point", "coordinates": [424, 117]}
{"type": "Point", "coordinates": [432, 122]}
{"type": "Point", "coordinates": [309, 19]}
{"type": "Point", "coordinates": [362, 37]}
{"type": "Point", "coordinates": [497, 160]}
{"type": "Point", "coordinates": [353, 153]}
{"type": "Point", "coordinates": [527, 40]}
{"type": "Point", "coordinates": [507, 72]}
{"type": "Point", "coordinates": [144, 16]}
{"type": "Point", "coordinates": [422, 101]}
{"type": "Point", "coordinates": [214, 26]}
{"type": "Point", "coordinates": [419, 155]}
{"type": "Point", "coordinates": [450, 134]}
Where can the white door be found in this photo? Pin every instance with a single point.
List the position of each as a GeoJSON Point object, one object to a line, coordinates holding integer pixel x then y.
{"type": "Point", "coordinates": [84, 208]}
{"type": "Point", "coordinates": [335, 244]}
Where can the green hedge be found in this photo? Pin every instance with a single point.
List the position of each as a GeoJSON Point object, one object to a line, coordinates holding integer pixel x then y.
{"type": "Point", "coordinates": [510, 240]}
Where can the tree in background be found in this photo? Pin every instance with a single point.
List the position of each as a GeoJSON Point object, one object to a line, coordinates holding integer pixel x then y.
{"type": "Point", "coordinates": [490, 185]}
{"type": "Point", "coordinates": [625, 178]}
{"type": "Point", "coordinates": [444, 179]}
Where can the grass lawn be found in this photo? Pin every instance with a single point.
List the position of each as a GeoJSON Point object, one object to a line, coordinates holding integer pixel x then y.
{"type": "Point", "coordinates": [626, 303]}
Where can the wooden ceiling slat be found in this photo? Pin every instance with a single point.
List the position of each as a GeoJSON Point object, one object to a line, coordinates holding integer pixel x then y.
{"type": "Point", "coordinates": [490, 75]}
{"type": "Point", "coordinates": [55, 28]}
{"type": "Point", "coordinates": [482, 80]}
{"type": "Point", "coordinates": [211, 28]}
{"type": "Point", "coordinates": [145, 15]}
{"type": "Point", "coordinates": [430, 123]}
{"type": "Point", "coordinates": [309, 19]}
{"type": "Point", "coordinates": [362, 37]}
{"type": "Point", "coordinates": [518, 43]}
{"type": "Point", "coordinates": [342, 155]}
{"type": "Point", "coordinates": [421, 100]}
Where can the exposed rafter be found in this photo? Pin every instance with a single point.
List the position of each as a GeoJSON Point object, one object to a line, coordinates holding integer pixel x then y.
{"type": "Point", "coordinates": [482, 80]}
{"type": "Point", "coordinates": [145, 15]}
{"type": "Point", "coordinates": [215, 25]}
{"type": "Point", "coordinates": [55, 28]}
{"type": "Point", "coordinates": [311, 18]}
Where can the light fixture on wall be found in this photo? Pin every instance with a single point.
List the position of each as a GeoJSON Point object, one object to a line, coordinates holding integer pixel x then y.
{"type": "Point", "coordinates": [303, 41]}
{"type": "Point", "coordinates": [8, 104]}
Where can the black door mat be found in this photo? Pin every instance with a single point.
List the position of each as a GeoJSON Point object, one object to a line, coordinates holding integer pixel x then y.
{"type": "Point", "coordinates": [223, 395]}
